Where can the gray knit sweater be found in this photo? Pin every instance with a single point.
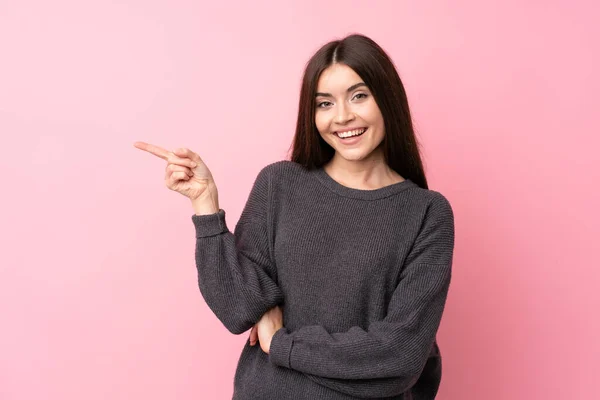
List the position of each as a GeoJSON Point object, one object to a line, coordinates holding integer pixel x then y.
{"type": "Point", "coordinates": [362, 277]}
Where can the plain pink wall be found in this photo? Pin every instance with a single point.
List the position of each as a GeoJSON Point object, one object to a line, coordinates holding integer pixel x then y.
{"type": "Point", "coordinates": [98, 290]}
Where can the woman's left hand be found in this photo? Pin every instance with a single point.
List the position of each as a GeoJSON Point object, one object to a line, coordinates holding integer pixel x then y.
{"type": "Point", "coordinates": [264, 329]}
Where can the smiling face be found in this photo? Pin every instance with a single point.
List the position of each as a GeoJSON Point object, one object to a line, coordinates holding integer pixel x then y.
{"type": "Point", "coordinates": [347, 116]}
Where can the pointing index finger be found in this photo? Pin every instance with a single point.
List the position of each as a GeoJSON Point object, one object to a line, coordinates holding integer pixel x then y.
{"type": "Point", "coordinates": [152, 149]}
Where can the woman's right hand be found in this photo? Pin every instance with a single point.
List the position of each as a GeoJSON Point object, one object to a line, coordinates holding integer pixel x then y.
{"type": "Point", "coordinates": [185, 172]}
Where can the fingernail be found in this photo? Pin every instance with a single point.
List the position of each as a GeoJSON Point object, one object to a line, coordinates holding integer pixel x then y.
{"type": "Point", "coordinates": [194, 165]}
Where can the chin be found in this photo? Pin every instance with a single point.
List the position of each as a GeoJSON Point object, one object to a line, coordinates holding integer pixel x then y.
{"type": "Point", "coordinates": [353, 156]}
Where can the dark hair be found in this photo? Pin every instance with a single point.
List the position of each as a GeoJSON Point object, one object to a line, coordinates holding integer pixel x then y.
{"type": "Point", "coordinates": [377, 70]}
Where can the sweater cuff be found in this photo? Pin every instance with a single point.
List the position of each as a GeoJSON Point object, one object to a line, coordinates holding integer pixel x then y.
{"type": "Point", "coordinates": [281, 348]}
{"type": "Point", "coordinates": [210, 224]}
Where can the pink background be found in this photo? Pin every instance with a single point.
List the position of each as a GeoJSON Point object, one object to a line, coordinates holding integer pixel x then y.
{"type": "Point", "coordinates": [98, 291]}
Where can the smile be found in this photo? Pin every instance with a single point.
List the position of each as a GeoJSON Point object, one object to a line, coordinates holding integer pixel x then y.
{"type": "Point", "coordinates": [352, 133]}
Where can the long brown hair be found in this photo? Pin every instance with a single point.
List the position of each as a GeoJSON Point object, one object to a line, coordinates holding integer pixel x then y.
{"type": "Point", "coordinates": [374, 66]}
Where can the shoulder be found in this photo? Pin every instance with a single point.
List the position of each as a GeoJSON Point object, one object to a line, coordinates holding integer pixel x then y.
{"type": "Point", "coordinates": [440, 204]}
{"type": "Point", "coordinates": [281, 170]}
{"type": "Point", "coordinates": [432, 207]}
{"type": "Point", "coordinates": [432, 200]}
{"type": "Point", "coordinates": [283, 166]}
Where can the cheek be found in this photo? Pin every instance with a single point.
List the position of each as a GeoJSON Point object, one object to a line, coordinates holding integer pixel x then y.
{"type": "Point", "coordinates": [321, 122]}
{"type": "Point", "coordinates": [372, 114]}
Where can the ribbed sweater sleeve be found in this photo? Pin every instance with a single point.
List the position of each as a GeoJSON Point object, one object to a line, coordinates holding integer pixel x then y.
{"type": "Point", "coordinates": [236, 271]}
{"type": "Point", "coordinates": [388, 356]}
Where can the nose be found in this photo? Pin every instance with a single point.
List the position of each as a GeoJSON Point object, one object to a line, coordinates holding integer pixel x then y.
{"type": "Point", "coordinates": [344, 114]}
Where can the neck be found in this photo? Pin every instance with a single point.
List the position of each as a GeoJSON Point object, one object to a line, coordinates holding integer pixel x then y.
{"type": "Point", "coordinates": [363, 174]}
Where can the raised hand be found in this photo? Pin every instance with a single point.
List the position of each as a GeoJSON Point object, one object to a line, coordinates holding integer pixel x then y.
{"type": "Point", "coordinates": [185, 172]}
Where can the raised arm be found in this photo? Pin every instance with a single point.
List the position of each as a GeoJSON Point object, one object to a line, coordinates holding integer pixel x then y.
{"type": "Point", "coordinates": [236, 272]}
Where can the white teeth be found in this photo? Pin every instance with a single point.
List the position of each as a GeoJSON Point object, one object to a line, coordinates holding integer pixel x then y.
{"type": "Point", "coordinates": [351, 133]}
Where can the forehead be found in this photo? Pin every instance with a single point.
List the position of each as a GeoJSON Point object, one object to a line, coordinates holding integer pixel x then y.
{"type": "Point", "coordinates": [337, 78]}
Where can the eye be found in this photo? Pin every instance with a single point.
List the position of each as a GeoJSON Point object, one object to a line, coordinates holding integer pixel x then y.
{"type": "Point", "coordinates": [361, 96]}
{"type": "Point", "coordinates": [323, 104]}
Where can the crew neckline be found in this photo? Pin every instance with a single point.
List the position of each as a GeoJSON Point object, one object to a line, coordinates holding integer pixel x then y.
{"type": "Point", "coordinates": [362, 194]}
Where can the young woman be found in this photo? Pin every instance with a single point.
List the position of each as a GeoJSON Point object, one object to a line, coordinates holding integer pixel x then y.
{"type": "Point", "coordinates": [340, 262]}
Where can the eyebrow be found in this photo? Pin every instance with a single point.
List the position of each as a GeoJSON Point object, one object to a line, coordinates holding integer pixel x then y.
{"type": "Point", "coordinates": [351, 88]}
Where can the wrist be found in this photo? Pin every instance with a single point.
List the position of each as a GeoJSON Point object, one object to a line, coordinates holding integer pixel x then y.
{"type": "Point", "coordinates": [267, 348]}
{"type": "Point", "coordinates": [208, 202]}
{"type": "Point", "coordinates": [273, 336]}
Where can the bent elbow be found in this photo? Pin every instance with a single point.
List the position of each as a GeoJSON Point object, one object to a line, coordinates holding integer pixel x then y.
{"type": "Point", "coordinates": [235, 326]}
{"type": "Point", "coordinates": [413, 371]}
